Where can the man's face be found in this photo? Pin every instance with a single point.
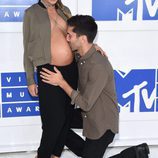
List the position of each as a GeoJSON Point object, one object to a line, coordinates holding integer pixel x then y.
{"type": "Point", "coordinates": [73, 39]}
{"type": "Point", "coordinates": [52, 2]}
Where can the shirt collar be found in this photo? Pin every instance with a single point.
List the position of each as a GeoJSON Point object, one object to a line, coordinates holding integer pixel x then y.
{"type": "Point", "coordinates": [91, 51]}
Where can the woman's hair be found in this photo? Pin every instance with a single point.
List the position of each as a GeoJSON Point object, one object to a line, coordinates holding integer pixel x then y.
{"type": "Point", "coordinates": [60, 5]}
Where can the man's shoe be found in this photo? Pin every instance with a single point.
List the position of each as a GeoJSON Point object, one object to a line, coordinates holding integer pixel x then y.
{"type": "Point", "coordinates": [142, 151]}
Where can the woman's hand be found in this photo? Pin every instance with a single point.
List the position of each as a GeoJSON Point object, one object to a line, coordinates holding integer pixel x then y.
{"type": "Point", "coordinates": [100, 50]}
{"type": "Point", "coordinates": [33, 90]}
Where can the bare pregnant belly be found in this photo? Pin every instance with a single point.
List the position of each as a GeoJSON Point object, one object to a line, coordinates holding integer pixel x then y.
{"type": "Point", "coordinates": [61, 53]}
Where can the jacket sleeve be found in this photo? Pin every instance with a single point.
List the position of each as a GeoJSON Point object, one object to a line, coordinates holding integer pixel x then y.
{"type": "Point", "coordinates": [28, 65]}
{"type": "Point", "coordinates": [98, 77]}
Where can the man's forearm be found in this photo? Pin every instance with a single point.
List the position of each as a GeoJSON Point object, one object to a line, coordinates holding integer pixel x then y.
{"type": "Point", "coordinates": [66, 87]}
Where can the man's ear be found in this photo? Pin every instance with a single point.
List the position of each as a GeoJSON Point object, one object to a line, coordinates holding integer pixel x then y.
{"type": "Point", "coordinates": [84, 38]}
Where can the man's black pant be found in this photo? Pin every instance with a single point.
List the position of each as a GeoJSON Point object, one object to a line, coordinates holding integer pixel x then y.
{"type": "Point", "coordinates": [89, 148]}
{"type": "Point", "coordinates": [96, 149]}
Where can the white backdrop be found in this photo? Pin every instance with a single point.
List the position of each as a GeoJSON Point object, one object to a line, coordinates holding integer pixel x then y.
{"type": "Point", "coordinates": [131, 46]}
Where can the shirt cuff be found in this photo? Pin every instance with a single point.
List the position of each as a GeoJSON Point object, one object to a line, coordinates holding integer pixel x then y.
{"type": "Point", "coordinates": [73, 96]}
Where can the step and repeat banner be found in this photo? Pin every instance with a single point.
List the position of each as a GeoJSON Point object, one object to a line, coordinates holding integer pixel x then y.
{"type": "Point", "coordinates": [127, 32]}
{"type": "Point", "coordinates": [122, 14]}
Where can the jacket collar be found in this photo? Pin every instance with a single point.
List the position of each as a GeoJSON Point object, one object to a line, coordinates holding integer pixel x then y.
{"type": "Point", "coordinates": [41, 4]}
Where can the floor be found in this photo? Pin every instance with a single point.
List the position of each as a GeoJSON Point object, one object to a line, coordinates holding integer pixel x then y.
{"type": "Point", "coordinates": [66, 154]}
{"type": "Point", "coordinates": [69, 154]}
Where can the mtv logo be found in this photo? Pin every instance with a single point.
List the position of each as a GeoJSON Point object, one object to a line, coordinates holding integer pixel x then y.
{"type": "Point", "coordinates": [125, 16]}
{"type": "Point", "coordinates": [125, 10]}
{"type": "Point", "coordinates": [137, 90]}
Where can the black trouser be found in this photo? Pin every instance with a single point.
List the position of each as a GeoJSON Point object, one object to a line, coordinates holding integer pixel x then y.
{"type": "Point", "coordinates": [55, 111]}
{"type": "Point", "coordinates": [89, 148]}
{"type": "Point", "coordinates": [96, 148]}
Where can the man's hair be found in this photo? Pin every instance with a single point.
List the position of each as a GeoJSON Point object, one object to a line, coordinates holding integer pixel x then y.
{"type": "Point", "coordinates": [84, 25]}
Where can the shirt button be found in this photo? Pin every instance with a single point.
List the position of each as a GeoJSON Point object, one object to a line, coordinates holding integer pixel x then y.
{"type": "Point", "coordinates": [81, 63]}
{"type": "Point", "coordinates": [85, 116]}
